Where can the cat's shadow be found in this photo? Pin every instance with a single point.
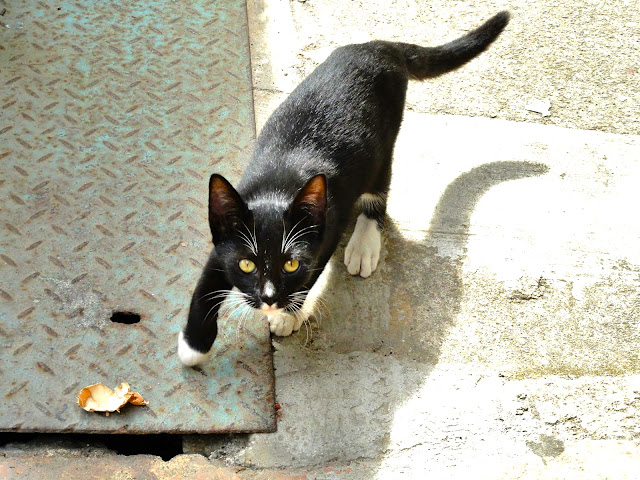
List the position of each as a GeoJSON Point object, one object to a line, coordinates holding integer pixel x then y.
{"type": "Point", "coordinates": [406, 306]}
{"type": "Point", "coordinates": [379, 337]}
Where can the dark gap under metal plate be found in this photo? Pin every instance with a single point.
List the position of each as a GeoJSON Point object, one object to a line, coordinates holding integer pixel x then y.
{"type": "Point", "coordinates": [113, 116]}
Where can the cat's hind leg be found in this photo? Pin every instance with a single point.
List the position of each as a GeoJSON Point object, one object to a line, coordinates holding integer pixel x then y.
{"type": "Point", "coordinates": [363, 250]}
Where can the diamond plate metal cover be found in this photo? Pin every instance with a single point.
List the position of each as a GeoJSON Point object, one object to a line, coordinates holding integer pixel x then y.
{"type": "Point", "coordinates": [113, 115]}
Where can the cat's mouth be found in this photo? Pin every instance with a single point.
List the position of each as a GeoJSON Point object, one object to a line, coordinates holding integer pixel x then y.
{"type": "Point", "coordinates": [270, 310]}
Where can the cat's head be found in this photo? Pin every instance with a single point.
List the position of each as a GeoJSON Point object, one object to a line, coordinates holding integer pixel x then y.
{"type": "Point", "coordinates": [269, 244]}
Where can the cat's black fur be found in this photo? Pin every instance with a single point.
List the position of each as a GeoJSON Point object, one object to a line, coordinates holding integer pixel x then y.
{"type": "Point", "coordinates": [328, 143]}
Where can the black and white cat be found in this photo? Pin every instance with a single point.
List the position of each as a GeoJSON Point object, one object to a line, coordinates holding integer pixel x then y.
{"type": "Point", "coordinates": [326, 148]}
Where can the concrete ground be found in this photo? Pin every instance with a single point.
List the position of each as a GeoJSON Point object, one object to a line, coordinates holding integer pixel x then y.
{"type": "Point", "coordinates": [499, 337]}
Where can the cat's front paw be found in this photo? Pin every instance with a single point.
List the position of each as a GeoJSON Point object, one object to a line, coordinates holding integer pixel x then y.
{"type": "Point", "coordinates": [283, 324]}
{"type": "Point", "coordinates": [187, 355]}
{"type": "Point", "coordinates": [363, 250]}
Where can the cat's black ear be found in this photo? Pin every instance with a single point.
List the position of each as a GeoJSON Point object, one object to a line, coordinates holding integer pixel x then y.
{"type": "Point", "coordinates": [311, 201]}
{"type": "Point", "coordinates": [226, 209]}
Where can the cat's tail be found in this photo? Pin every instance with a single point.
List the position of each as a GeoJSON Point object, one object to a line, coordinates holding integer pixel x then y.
{"type": "Point", "coordinates": [429, 62]}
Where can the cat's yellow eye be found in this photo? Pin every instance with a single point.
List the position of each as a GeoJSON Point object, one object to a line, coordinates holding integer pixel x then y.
{"type": "Point", "coordinates": [247, 266]}
{"type": "Point", "coordinates": [291, 266]}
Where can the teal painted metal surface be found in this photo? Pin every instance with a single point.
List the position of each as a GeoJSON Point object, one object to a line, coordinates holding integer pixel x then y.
{"type": "Point", "coordinates": [113, 115]}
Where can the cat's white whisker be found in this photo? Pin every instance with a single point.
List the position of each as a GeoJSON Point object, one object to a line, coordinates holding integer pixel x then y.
{"type": "Point", "coordinates": [217, 293]}
{"type": "Point", "coordinates": [204, 320]}
{"type": "Point", "coordinates": [228, 306]}
{"type": "Point", "coordinates": [248, 242]}
{"type": "Point", "coordinates": [297, 312]}
{"type": "Point", "coordinates": [308, 330]}
{"type": "Point", "coordinates": [232, 314]}
{"type": "Point", "coordinates": [247, 314]}
{"type": "Point", "coordinates": [217, 297]}
{"type": "Point", "coordinates": [322, 304]}
{"type": "Point", "coordinates": [235, 307]}
{"type": "Point", "coordinates": [239, 310]}
{"type": "Point", "coordinates": [227, 299]}
{"type": "Point", "coordinates": [285, 235]}
{"type": "Point", "coordinates": [212, 294]}
{"type": "Point", "coordinates": [249, 238]}
{"type": "Point", "coordinates": [292, 241]}
{"type": "Point", "coordinates": [301, 292]}
{"type": "Point", "coordinates": [225, 307]}
{"type": "Point", "coordinates": [212, 309]}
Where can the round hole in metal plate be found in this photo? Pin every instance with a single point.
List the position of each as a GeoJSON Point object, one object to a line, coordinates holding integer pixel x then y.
{"type": "Point", "coordinates": [128, 318]}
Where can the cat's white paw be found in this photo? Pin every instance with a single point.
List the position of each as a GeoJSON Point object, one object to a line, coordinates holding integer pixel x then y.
{"type": "Point", "coordinates": [283, 324]}
{"type": "Point", "coordinates": [187, 355]}
{"type": "Point", "coordinates": [363, 250]}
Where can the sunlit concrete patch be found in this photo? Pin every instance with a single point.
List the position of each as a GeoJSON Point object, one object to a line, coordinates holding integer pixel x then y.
{"type": "Point", "coordinates": [532, 326]}
{"type": "Point", "coordinates": [582, 460]}
{"type": "Point", "coordinates": [402, 417]}
{"type": "Point", "coordinates": [535, 226]}
{"type": "Point", "coordinates": [551, 192]}
{"type": "Point", "coordinates": [501, 82]}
